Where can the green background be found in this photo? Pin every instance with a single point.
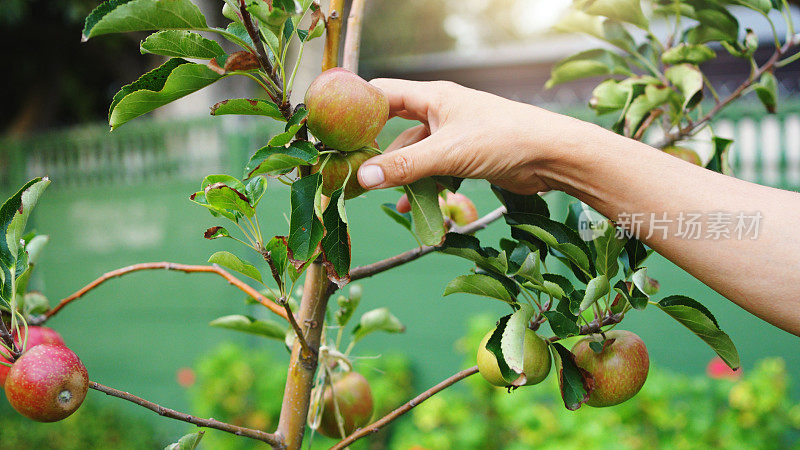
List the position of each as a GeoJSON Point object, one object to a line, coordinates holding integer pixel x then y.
{"type": "Point", "coordinates": [134, 333]}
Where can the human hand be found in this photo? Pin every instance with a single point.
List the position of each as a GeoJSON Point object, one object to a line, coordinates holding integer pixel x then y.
{"type": "Point", "coordinates": [469, 134]}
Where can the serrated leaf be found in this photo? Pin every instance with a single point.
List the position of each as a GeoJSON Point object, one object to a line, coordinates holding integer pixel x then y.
{"type": "Point", "coordinates": [305, 229]}
{"type": "Point", "coordinates": [247, 107]}
{"type": "Point", "coordinates": [272, 161]}
{"type": "Point", "coordinates": [494, 345]}
{"type": "Point", "coordinates": [247, 324]}
{"type": "Point", "coordinates": [428, 221]}
{"type": "Point", "coordinates": [689, 81]}
{"type": "Point", "coordinates": [180, 43]}
{"type": "Point", "coordinates": [469, 247]}
{"type": "Point", "coordinates": [608, 248]}
{"type": "Point", "coordinates": [404, 219]}
{"type": "Point", "coordinates": [530, 271]}
{"type": "Point", "coordinates": [377, 320]}
{"type": "Point", "coordinates": [512, 342]}
{"type": "Point", "coordinates": [557, 236]}
{"type": "Point", "coordinates": [629, 11]}
{"type": "Point", "coordinates": [634, 255]}
{"type": "Point", "coordinates": [688, 53]}
{"type": "Point", "coordinates": [121, 16]}
{"type": "Point", "coordinates": [336, 241]}
{"type": "Point", "coordinates": [699, 320]}
{"type": "Point", "coordinates": [590, 63]}
{"type": "Point", "coordinates": [225, 197]}
{"type": "Point", "coordinates": [575, 383]}
{"type": "Point", "coordinates": [231, 261]}
{"type": "Point", "coordinates": [562, 325]}
{"type": "Point", "coordinates": [480, 284]}
{"type": "Point", "coordinates": [596, 289]}
{"type": "Point", "coordinates": [172, 80]}
{"type": "Point", "coordinates": [187, 442]}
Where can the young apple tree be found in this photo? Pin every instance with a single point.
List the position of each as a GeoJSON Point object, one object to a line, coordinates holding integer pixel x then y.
{"type": "Point", "coordinates": [651, 83]}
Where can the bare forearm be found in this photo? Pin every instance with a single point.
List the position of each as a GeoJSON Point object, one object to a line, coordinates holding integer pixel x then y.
{"type": "Point", "coordinates": [759, 269]}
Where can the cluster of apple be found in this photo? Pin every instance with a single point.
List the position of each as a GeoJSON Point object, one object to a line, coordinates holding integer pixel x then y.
{"type": "Point", "coordinates": [618, 362]}
{"type": "Point", "coordinates": [47, 382]}
{"type": "Point", "coordinates": [346, 114]}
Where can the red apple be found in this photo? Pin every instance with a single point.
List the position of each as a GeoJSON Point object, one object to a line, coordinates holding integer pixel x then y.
{"type": "Point", "coordinates": [619, 370]}
{"type": "Point", "coordinates": [47, 383]}
{"type": "Point", "coordinates": [344, 111]}
{"type": "Point", "coordinates": [354, 399]}
{"type": "Point", "coordinates": [458, 208]}
{"type": "Point", "coordinates": [36, 336]}
{"type": "Point", "coordinates": [336, 169]}
{"type": "Point", "coordinates": [535, 364]}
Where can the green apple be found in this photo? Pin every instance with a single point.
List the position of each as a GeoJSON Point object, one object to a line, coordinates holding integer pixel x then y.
{"type": "Point", "coordinates": [535, 365]}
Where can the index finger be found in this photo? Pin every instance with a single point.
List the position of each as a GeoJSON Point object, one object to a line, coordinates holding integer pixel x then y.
{"type": "Point", "coordinates": [410, 99]}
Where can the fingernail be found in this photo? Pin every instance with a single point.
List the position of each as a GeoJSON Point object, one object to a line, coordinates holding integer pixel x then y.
{"type": "Point", "coordinates": [371, 176]}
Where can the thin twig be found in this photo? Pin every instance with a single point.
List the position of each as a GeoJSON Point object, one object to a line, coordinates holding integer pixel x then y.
{"type": "Point", "coordinates": [8, 340]}
{"type": "Point", "coordinates": [270, 438]}
{"type": "Point", "coordinates": [263, 59]}
{"type": "Point", "coordinates": [307, 353]}
{"type": "Point", "coordinates": [594, 326]}
{"type": "Point", "coordinates": [689, 129]}
{"type": "Point", "coordinates": [352, 40]}
{"type": "Point", "coordinates": [272, 306]}
{"type": "Point", "coordinates": [385, 420]}
{"type": "Point", "coordinates": [369, 270]}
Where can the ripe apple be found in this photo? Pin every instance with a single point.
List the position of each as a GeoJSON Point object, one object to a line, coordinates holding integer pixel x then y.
{"type": "Point", "coordinates": [47, 383]}
{"type": "Point", "coordinates": [685, 154]}
{"type": "Point", "coordinates": [344, 111]}
{"type": "Point", "coordinates": [458, 208]}
{"type": "Point", "coordinates": [535, 364]}
{"type": "Point", "coordinates": [619, 370]}
{"type": "Point", "coordinates": [336, 169]}
{"type": "Point", "coordinates": [354, 399]}
{"type": "Point", "coordinates": [36, 336]}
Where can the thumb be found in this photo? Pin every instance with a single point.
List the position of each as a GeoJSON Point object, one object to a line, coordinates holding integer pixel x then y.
{"type": "Point", "coordinates": [402, 166]}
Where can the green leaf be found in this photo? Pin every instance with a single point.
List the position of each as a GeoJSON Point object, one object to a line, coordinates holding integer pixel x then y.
{"type": "Point", "coordinates": [586, 64]}
{"type": "Point", "coordinates": [180, 43]}
{"type": "Point", "coordinates": [336, 242]}
{"type": "Point", "coordinates": [596, 289]}
{"type": "Point", "coordinates": [284, 138]}
{"type": "Point", "coordinates": [557, 236]}
{"type": "Point", "coordinates": [247, 324]}
{"type": "Point", "coordinates": [247, 107]}
{"type": "Point", "coordinates": [562, 325]}
{"type": "Point", "coordinates": [720, 160]}
{"type": "Point", "coordinates": [13, 217]}
{"type": "Point", "coordinates": [279, 160]}
{"type": "Point", "coordinates": [688, 53]}
{"type": "Point", "coordinates": [608, 247]}
{"type": "Point", "coordinates": [641, 106]}
{"type": "Point", "coordinates": [699, 320]}
{"type": "Point", "coordinates": [764, 6]}
{"type": "Point", "coordinates": [530, 270]}
{"type": "Point", "coordinates": [767, 91]}
{"type": "Point", "coordinates": [305, 229]}
{"type": "Point", "coordinates": [512, 342]}
{"type": "Point", "coordinates": [121, 16]}
{"type": "Point", "coordinates": [231, 261]}
{"type": "Point", "coordinates": [635, 254]}
{"type": "Point", "coordinates": [348, 305]}
{"type": "Point", "coordinates": [634, 295]}
{"type": "Point", "coordinates": [35, 303]}
{"type": "Point", "coordinates": [172, 80]}
{"type": "Point", "coordinates": [495, 345]}
{"type": "Point", "coordinates": [404, 219]}
{"type": "Point", "coordinates": [518, 203]}
{"type": "Point", "coordinates": [255, 189]}
{"type": "Point", "coordinates": [377, 320]}
{"type": "Point", "coordinates": [480, 284]}
{"type": "Point", "coordinates": [224, 197]}
{"type": "Point", "coordinates": [611, 31]}
{"type": "Point", "coordinates": [575, 383]}
{"type": "Point", "coordinates": [428, 221]}
{"type": "Point", "coordinates": [629, 11]}
{"type": "Point", "coordinates": [469, 247]}
{"type": "Point", "coordinates": [276, 249]}
{"type": "Point", "coordinates": [609, 96]}
{"type": "Point", "coordinates": [689, 81]}
{"type": "Point", "coordinates": [716, 24]}
{"type": "Point", "coordinates": [216, 232]}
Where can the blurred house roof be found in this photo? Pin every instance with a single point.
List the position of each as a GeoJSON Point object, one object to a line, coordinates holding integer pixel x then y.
{"type": "Point", "coordinates": [519, 70]}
